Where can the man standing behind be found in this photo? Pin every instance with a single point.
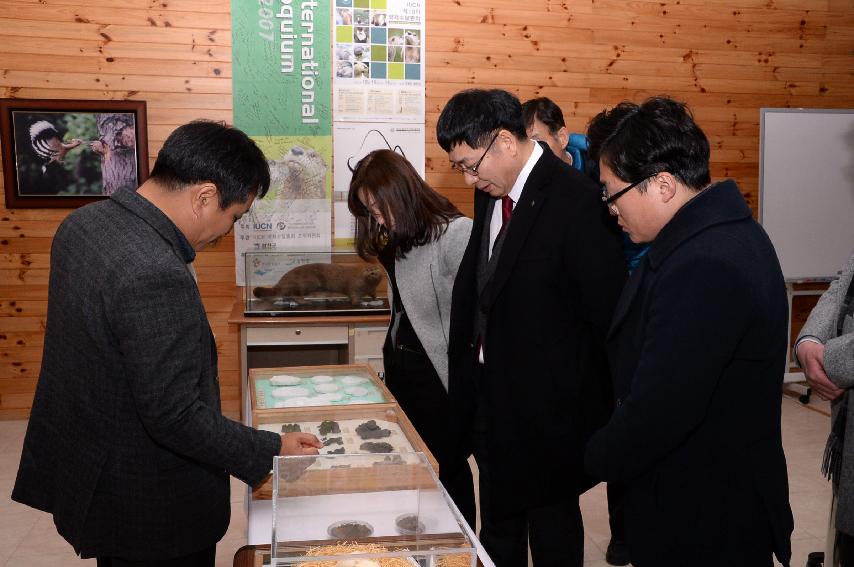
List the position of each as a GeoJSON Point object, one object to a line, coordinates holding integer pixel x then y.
{"type": "Point", "coordinates": [126, 445]}
{"type": "Point", "coordinates": [531, 304]}
{"type": "Point", "coordinates": [697, 350]}
{"type": "Point", "coordinates": [544, 123]}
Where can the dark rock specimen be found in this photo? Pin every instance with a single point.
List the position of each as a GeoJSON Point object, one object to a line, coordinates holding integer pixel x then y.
{"type": "Point", "coordinates": [372, 447]}
{"type": "Point", "coordinates": [408, 524]}
{"type": "Point", "coordinates": [350, 530]}
{"type": "Point", "coordinates": [328, 427]}
{"type": "Point", "coordinates": [370, 430]}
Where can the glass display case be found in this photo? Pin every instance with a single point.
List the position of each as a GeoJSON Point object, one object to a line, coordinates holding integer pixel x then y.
{"type": "Point", "coordinates": [313, 283]}
{"type": "Point", "coordinates": [312, 386]}
{"type": "Point", "coordinates": [379, 510]}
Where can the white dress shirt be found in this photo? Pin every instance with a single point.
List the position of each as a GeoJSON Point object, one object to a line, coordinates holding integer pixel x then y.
{"type": "Point", "coordinates": [515, 194]}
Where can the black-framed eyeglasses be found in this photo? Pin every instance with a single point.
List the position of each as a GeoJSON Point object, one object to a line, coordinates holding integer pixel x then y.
{"type": "Point", "coordinates": [609, 201]}
{"type": "Point", "coordinates": [473, 169]}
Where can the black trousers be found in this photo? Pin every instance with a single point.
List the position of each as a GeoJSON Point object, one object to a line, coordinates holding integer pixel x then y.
{"type": "Point", "coordinates": [555, 532]}
{"type": "Point", "coordinates": [203, 558]}
{"type": "Point", "coordinates": [413, 381]}
{"type": "Point", "coordinates": [845, 549]}
{"type": "Point", "coordinates": [616, 511]}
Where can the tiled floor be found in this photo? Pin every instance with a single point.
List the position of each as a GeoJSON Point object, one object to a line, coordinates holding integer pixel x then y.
{"type": "Point", "coordinates": [28, 538]}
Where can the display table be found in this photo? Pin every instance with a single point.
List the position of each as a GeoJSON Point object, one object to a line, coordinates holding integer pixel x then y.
{"type": "Point", "coordinates": [287, 341]}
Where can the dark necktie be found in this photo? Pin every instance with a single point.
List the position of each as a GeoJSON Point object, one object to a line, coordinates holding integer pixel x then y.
{"type": "Point", "coordinates": [506, 211]}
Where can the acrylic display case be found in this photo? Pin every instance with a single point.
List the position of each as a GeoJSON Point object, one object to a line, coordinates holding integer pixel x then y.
{"type": "Point", "coordinates": [367, 511]}
{"type": "Point", "coordinates": [345, 406]}
{"type": "Point", "coordinates": [313, 283]}
{"type": "Point", "coordinates": [315, 386]}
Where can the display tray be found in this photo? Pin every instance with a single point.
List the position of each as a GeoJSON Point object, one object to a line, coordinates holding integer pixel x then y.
{"type": "Point", "coordinates": [350, 436]}
{"type": "Point", "coordinates": [396, 515]}
{"type": "Point", "coordinates": [321, 472]}
{"type": "Point", "coordinates": [313, 283]}
{"type": "Point", "coordinates": [260, 556]}
{"type": "Point", "coordinates": [307, 386]}
{"type": "Point", "coordinates": [435, 550]}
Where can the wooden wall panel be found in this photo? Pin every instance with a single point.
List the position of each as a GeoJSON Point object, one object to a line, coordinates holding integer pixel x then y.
{"type": "Point", "coordinates": [726, 58]}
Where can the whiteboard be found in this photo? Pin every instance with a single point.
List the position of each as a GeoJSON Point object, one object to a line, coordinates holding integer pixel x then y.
{"type": "Point", "coordinates": [806, 188]}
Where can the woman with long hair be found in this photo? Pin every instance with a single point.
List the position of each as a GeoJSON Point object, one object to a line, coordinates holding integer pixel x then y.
{"type": "Point", "coordinates": [419, 236]}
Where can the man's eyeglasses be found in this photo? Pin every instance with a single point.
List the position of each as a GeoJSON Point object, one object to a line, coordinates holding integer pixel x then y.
{"type": "Point", "coordinates": [609, 201]}
{"type": "Point", "coordinates": [473, 169]}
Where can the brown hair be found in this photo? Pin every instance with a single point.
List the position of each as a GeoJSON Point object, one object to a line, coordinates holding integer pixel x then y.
{"type": "Point", "coordinates": [418, 213]}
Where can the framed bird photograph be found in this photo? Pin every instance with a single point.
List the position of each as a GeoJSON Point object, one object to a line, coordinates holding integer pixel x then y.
{"type": "Point", "coordinates": [66, 153]}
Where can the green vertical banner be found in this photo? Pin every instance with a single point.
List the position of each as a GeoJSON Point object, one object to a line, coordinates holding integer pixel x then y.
{"type": "Point", "coordinates": [282, 81]}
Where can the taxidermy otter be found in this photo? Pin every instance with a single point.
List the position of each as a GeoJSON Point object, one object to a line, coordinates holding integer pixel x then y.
{"type": "Point", "coordinates": [356, 282]}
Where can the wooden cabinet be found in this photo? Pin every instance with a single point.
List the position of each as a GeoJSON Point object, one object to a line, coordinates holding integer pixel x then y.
{"type": "Point", "coordinates": [275, 342]}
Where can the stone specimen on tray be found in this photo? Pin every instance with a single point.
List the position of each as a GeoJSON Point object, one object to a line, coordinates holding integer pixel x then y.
{"type": "Point", "coordinates": [353, 380]}
{"type": "Point", "coordinates": [356, 391]}
{"type": "Point", "coordinates": [370, 430]}
{"type": "Point", "coordinates": [285, 380]}
{"type": "Point", "coordinates": [408, 524]}
{"type": "Point", "coordinates": [291, 428]}
{"type": "Point", "coordinates": [290, 392]}
{"type": "Point", "coordinates": [372, 447]}
{"type": "Point", "coordinates": [329, 397]}
{"type": "Point", "coordinates": [333, 441]}
{"type": "Point", "coordinates": [338, 451]}
{"type": "Point", "coordinates": [328, 426]}
{"type": "Point", "coordinates": [350, 530]}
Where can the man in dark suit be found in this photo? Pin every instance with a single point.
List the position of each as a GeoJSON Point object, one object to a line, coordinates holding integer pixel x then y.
{"type": "Point", "coordinates": [697, 350]}
{"type": "Point", "coordinates": [126, 445]}
{"type": "Point", "coordinates": [544, 122]}
{"type": "Point", "coordinates": [530, 308]}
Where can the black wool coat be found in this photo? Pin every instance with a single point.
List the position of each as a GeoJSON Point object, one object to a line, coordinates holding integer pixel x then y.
{"type": "Point", "coordinates": [697, 351]}
{"type": "Point", "coordinates": [548, 306]}
{"type": "Point", "coordinates": [126, 445]}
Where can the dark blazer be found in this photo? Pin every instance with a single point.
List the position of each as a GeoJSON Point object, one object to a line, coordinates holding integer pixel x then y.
{"type": "Point", "coordinates": [548, 306]}
{"type": "Point", "coordinates": [697, 351]}
{"type": "Point", "coordinates": [126, 445]}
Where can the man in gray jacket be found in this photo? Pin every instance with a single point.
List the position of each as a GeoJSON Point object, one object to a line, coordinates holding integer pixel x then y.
{"type": "Point", "coordinates": [825, 350]}
{"type": "Point", "coordinates": [126, 445]}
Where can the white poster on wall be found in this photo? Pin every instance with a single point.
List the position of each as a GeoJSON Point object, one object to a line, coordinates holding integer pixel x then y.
{"type": "Point", "coordinates": [354, 140]}
{"type": "Point", "coordinates": [379, 60]}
